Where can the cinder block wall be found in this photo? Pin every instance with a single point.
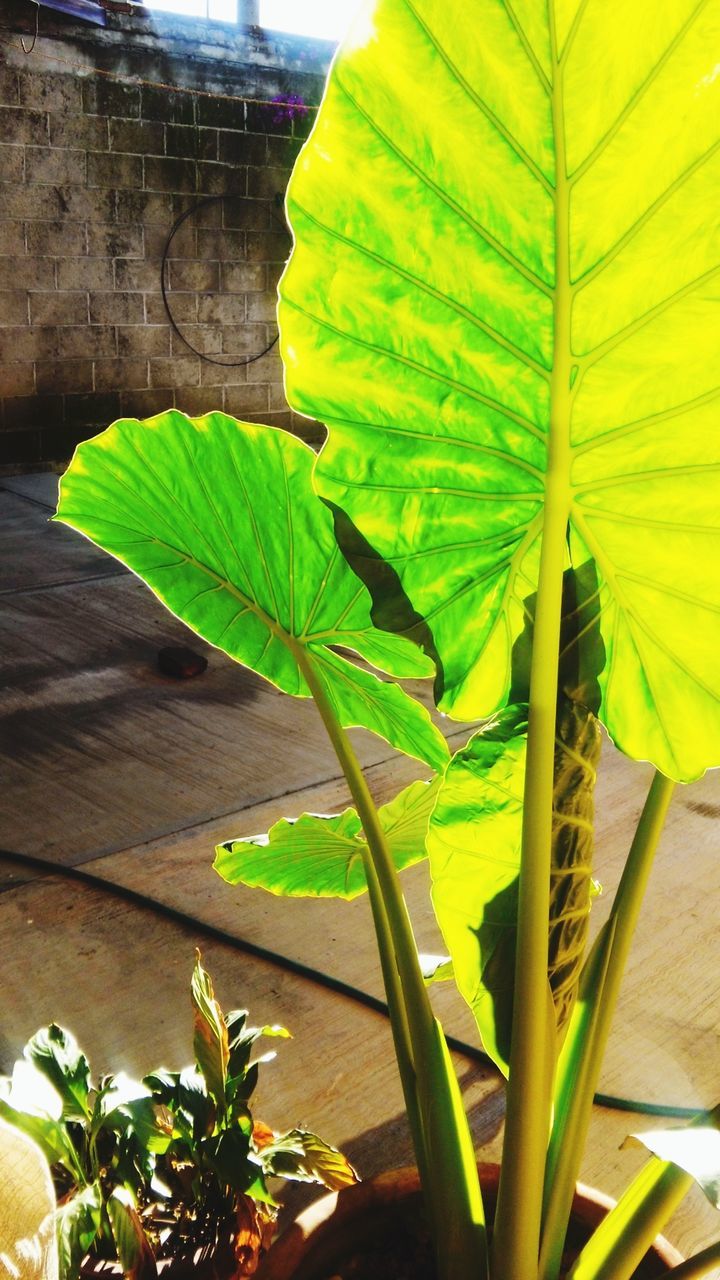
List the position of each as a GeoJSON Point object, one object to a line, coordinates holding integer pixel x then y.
{"type": "Point", "coordinates": [95, 169]}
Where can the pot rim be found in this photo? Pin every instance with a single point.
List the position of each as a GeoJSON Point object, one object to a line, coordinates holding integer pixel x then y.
{"type": "Point", "coordinates": [332, 1212]}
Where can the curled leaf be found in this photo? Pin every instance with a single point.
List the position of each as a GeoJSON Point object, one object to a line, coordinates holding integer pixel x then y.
{"type": "Point", "coordinates": [694, 1148]}
{"type": "Point", "coordinates": [210, 1040]}
{"type": "Point", "coordinates": [303, 1157]}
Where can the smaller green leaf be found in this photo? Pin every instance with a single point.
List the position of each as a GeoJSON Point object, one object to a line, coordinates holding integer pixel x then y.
{"type": "Point", "coordinates": [271, 1029]}
{"type": "Point", "coordinates": [133, 1247]}
{"type": "Point", "coordinates": [323, 856]}
{"type": "Point", "coordinates": [240, 1088]}
{"type": "Point", "coordinates": [77, 1223]}
{"type": "Point", "coordinates": [235, 1023]}
{"type": "Point", "coordinates": [55, 1052]}
{"type": "Point", "coordinates": [362, 700]}
{"type": "Point", "coordinates": [694, 1148]}
{"type": "Point", "coordinates": [303, 1157]}
{"type": "Point", "coordinates": [221, 519]}
{"type": "Point", "coordinates": [258, 1191]}
{"type": "Point", "coordinates": [146, 1121]}
{"type": "Point", "coordinates": [163, 1085]}
{"type": "Point", "coordinates": [241, 1046]}
{"type": "Point", "coordinates": [211, 1038]}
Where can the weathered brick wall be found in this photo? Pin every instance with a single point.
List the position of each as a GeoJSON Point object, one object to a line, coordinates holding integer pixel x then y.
{"type": "Point", "coordinates": [94, 171]}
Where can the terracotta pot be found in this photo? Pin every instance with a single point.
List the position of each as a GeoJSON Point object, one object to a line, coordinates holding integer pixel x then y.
{"type": "Point", "coordinates": [337, 1225]}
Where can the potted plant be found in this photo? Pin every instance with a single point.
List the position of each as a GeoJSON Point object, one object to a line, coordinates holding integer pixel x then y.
{"type": "Point", "coordinates": [170, 1174]}
{"type": "Point", "coordinates": [501, 301]}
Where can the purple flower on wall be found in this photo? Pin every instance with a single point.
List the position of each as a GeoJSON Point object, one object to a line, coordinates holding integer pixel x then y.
{"type": "Point", "coordinates": [287, 107]}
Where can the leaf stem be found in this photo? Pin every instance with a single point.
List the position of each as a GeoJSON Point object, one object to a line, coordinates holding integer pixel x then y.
{"type": "Point", "coordinates": [697, 1266]}
{"type": "Point", "coordinates": [446, 1149]}
{"type": "Point", "coordinates": [623, 1238]}
{"type": "Point", "coordinates": [580, 1070]}
{"type": "Point", "coordinates": [532, 1056]}
{"type": "Point", "coordinates": [398, 1017]}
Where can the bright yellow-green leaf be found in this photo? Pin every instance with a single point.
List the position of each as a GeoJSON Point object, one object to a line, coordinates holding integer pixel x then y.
{"type": "Point", "coordinates": [322, 856]}
{"type": "Point", "coordinates": [506, 264]}
{"type": "Point", "coordinates": [474, 843]}
{"type": "Point", "coordinates": [220, 519]}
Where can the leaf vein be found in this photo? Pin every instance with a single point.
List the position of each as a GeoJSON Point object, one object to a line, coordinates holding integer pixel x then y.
{"type": "Point", "coordinates": [530, 53]}
{"type": "Point", "coordinates": [394, 268]}
{"type": "Point", "coordinates": [636, 97]}
{"type": "Point", "coordinates": [443, 197]}
{"type": "Point", "coordinates": [629, 428]}
{"type": "Point", "coordinates": [617, 339]}
{"type": "Point", "coordinates": [636, 227]}
{"type": "Point", "coordinates": [506, 134]}
{"type": "Point", "coordinates": [256, 534]}
{"type": "Point", "coordinates": [415, 365]}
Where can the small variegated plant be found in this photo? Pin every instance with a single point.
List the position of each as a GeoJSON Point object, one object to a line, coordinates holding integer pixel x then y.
{"type": "Point", "coordinates": [173, 1167]}
{"type": "Point", "coordinates": [502, 302]}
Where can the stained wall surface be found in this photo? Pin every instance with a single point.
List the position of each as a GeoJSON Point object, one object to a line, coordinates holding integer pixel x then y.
{"type": "Point", "coordinates": [107, 136]}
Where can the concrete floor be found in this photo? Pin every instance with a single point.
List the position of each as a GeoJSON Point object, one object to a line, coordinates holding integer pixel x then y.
{"type": "Point", "coordinates": [134, 776]}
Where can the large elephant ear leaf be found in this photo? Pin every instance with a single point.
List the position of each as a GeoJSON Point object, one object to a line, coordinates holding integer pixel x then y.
{"type": "Point", "coordinates": [474, 843]}
{"type": "Point", "coordinates": [220, 519]}
{"type": "Point", "coordinates": [323, 856]}
{"type": "Point", "coordinates": [510, 273]}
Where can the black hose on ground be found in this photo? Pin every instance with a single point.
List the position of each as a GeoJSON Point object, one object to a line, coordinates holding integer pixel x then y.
{"type": "Point", "coordinates": [296, 967]}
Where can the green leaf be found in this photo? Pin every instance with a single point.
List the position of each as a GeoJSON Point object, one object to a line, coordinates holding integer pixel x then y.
{"type": "Point", "coordinates": [113, 1096]}
{"type": "Point", "coordinates": [474, 845]}
{"type": "Point", "coordinates": [29, 1089]}
{"type": "Point", "coordinates": [163, 1086]}
{"type": "Point", "coordinates": [210, 1040]}
{"type": "Point", "coordinates": [322, 856]}
{"type": "Point", "coordinates": [184, 1095]}
{"type": "Point", "coordinates": [230, 1156]}
{"type": "Point", "coordinates": [77, 1223]}
{"type": "Point", "coordinates": [241, 1039]}
{"type": "Point", "coordinates": [55, 1052]}
{"type": "Point", "coordinates": [620, 1242]}
{"type": "Point", "coordinates": [303, 1157]}
{"type": "Point", "coordinates": [694, 1148]}
{"type": "Point", "coordinates": [148, 1123]}
{"type": "Point", "coordinates": [50, 1135]}
{"type": "Point", "coordinates": [133, 1247]}
{"type": "Point", "coordinates": [220, 519]}
{"type": "Point", "coordinates": [510, 267]}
